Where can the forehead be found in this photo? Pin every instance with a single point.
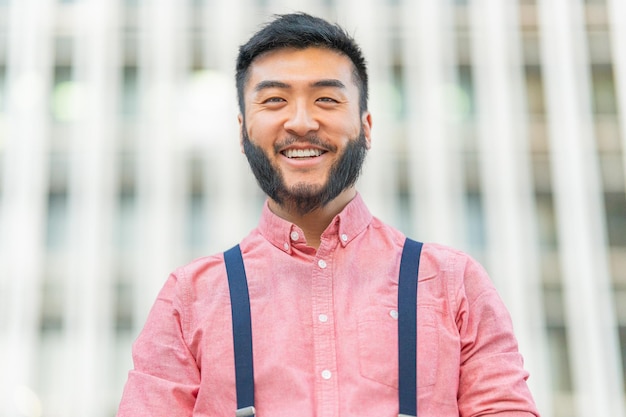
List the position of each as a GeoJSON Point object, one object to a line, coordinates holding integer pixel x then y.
{"type": "Point", "coordinates": [301, 65]}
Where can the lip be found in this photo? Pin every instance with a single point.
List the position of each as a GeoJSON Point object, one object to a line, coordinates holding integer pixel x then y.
{"type": "Point", "coordinates": [311, 155]}
{"type": "Point", "coordinates": [302, 147]}
{"type": "Point", "coordinates": [302, 153]}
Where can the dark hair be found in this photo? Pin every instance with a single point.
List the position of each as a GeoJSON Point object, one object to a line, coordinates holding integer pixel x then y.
{"type": "Point", "coordinates": [300, 31]}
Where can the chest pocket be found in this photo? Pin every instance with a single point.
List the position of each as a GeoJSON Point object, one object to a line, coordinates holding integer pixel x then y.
{"type": "Point", "coordinates": [378, 345]}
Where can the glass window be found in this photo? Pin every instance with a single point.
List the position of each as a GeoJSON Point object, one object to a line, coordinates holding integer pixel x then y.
{"type": "Point", "coordinates": [615, 205]}
{"type": "Point", "coordinates": [475, 220]}
{"type": "Point", "coordinates": [196, 205]}
{"type": "Point", "coordinates": [57, 221]}
{"type": "Point", "coordinates": [52, 307]}
{"type": "Point", "coordinates": [123, 306]}
{"type": "Point", "coordinates": [547, 221]}
{"type": "Point", "coordinates": [130, 93]}
{"type": "Point", "coordinates": [534, 90]}
{"type": "Point", "coordinates": [66, 99]}
{"type": "Point", "coordinates": [463, 96]}
{"type": "Point", "coordinates": [604, 101]}
{"type": "Point", "coordinates": [559, 357]}
{"type": "Point", "coordinates": [611, 168]}
{"type": "Point", "coordinates": [542, 175]}
{"type": "Point", "coordinates": [622, 339]}
{"type": "Point", "coordinates": [57, 213]}
{"type": "Point", "coordinates": [196, 221]}
{"type": "Point", "coordinates": [126, 223]}
{"type": "Point", "coordinates": [3, 92]}
{"type": "Point", "coordinates": [126, 229]}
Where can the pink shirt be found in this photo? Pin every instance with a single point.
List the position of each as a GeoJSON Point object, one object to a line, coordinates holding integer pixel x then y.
{"type": "Point", "coordinates": [324, 327]}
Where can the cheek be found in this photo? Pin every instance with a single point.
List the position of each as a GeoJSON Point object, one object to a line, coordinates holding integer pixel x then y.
{"type": "Point", "coordinates": [261, 130]}
{"type": "Point", "coordinates": [343, 124]}
{"type": "Point", "coordinates": [346, 132]}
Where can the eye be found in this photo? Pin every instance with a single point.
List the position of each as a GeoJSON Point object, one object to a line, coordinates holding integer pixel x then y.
{"type": "Point", "coordinates": [274, 100]}
{"type": "Point", "coordinates": [327, 100]}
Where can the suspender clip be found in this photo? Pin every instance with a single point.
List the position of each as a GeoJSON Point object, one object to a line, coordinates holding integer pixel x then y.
{"type": "Point", "coordinates": [246, 412]}
{"type": "Point", "coordinates": [405, 415]}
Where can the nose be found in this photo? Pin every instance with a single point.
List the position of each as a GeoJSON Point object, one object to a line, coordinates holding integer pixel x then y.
{"type": "Point", "coordinates": [301, 120]}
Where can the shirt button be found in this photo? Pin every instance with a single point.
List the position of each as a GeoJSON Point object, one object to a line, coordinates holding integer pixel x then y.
{"type": "Point", "coordinates": [394, 314]}
{"type": "Point", "coordinates": [286, 246]}
{"type": "Point", "coordinates": [344, 237]}
{"type": "Point", "coordinates": [323, 318]}
{"type": "Point", "coordinates": [295, 236]}
{"type": "Point", "coordinates": [321, 263]}
{"type": "Point", "coordinates": [326, 374]}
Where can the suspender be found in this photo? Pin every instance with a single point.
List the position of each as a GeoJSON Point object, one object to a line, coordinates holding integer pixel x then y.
{"type": "Point", "coordinates": [407, 329]}
{"type": "Point", "coordinates": [242, 331]}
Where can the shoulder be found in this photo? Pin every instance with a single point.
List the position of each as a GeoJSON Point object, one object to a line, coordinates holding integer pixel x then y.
{"type": "Point", "coordinates": [200, 277]}
{"type": "Point", "coordinates": [445, 258]}
{"type": "Point", "coordinates": [459, 272]}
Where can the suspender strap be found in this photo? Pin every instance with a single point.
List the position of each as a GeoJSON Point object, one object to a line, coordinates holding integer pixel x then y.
{"type": "Point", "coordinates": [407, 327]}
{"type": "Point", "coordinates": [242, 331]}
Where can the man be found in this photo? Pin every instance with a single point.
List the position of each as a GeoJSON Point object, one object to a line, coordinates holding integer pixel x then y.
{"type": "Point", "coordinates": [322, 274]}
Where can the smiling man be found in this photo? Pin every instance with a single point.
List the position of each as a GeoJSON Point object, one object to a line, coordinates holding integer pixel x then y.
{"type": "Point", "coordinates": [322, 310]}
{"type": "Point", "coordinates": [309, 134]}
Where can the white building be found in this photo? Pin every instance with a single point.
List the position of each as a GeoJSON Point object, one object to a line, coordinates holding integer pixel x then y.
{"type": "Point", "coordinates": [499, 128]}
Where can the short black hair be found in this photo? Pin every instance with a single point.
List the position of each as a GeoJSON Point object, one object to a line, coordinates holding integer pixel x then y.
{"type": "Point", "coordinates": [301, 31]}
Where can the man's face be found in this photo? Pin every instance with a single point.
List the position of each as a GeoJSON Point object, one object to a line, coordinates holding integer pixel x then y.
{"type": "Point", "coordinates": [302, 130]}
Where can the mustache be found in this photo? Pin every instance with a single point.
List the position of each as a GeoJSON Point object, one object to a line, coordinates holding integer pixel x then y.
{"type": "Point", "coordinates": [313, 140]}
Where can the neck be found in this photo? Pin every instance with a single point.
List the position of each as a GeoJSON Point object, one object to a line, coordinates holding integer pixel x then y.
{"type": "Point", "coordinates": [315, 222]}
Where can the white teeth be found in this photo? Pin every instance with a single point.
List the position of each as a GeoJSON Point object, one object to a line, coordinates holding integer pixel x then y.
{"type": "Point", "coordinates": [302, 153]}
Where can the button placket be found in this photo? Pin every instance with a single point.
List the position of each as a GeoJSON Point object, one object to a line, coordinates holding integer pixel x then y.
{"type": "Point", "coordinates": [323, 335]}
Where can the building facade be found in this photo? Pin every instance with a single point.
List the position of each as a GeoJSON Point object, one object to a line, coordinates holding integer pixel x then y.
{"type": "Point", "coordinates": [499, 128]}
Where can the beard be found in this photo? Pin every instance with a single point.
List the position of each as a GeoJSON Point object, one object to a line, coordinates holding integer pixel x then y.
{"type": "Point", "coordinates": [303, 198]}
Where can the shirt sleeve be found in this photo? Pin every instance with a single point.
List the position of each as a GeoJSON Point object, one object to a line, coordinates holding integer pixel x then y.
{"type": "Point", "coordinates": [492, 378]}
{"type": "Point", "coordinates": [165, 378]}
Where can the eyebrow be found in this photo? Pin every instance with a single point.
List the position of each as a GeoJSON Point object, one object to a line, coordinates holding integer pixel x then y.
{"type": "Point", "coordinates": [329, 83]}
{"type": "Point", "coordinates": [263, 85]}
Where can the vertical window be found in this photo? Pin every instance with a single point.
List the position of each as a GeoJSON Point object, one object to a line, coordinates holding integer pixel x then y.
{"type": "Point", "coordinates": [3, 92]}
{"type": "Point", "coordinates": [57, 213]}
{"type": "Point", "coordinates": [126, 224]}
{"type": "Point", "coordinates": [463, 97]}
{"type": "Point", "coordinates": [130, 93]}
{"type": "Point", "coordinates": [475, 220]}
{"type": "Point", "coordinates": [534, 91]}
{"type": "Point", "coordinates": [603, 96]}
{"type": "Point", "coordinates": [66, 99]}
{"type": "Point", "coordinates": [615, 205]}
{"type": "Point", "coordinates": [196, 229]}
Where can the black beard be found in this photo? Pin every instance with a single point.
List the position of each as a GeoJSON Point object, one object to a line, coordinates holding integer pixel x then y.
{"type": "Point", "coordinates": [304, 198]}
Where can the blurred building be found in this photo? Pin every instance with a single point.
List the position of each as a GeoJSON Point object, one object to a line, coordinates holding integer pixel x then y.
{"type": "Point", "coordinates": [499, 128]}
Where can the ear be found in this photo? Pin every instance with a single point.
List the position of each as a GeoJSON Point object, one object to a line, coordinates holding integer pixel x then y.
{"type": "Point", "coordinates": [366, 124]}
{"type": "Point", "coordinates": [241, 127]}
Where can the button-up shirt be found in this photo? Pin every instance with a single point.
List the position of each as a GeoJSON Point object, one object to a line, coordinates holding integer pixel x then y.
{"type": "Point", "coordinates": [324, 327]}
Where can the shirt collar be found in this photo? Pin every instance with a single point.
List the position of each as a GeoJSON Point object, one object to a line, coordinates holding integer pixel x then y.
{"type": "Point", "coordinates": [346, 225]}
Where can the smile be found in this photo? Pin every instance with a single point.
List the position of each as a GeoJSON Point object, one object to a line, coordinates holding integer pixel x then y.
{"type": "Point", "coordinates": [302, 153]}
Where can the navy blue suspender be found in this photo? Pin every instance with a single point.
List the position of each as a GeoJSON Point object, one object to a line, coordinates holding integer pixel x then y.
{"type": "Point", "coordinates": [407, 329]}
{"type": "Point", "coordinates": [242, 331]}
